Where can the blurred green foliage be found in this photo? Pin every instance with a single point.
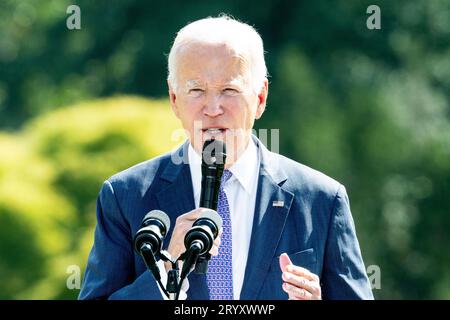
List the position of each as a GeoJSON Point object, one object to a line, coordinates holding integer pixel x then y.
{"type": "Point", "coordinates": [50, 174]}
{"type": "Point", "coordinates": [367, 107]}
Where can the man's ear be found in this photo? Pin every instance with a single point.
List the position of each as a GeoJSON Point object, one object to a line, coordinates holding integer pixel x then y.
{"type": "Point", "coordinates": [173, 99]}
{"type": "Point", "coordinates": [262, 99]}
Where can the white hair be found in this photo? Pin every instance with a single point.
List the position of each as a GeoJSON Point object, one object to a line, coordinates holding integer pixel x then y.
{"type": "Point", "coordinates": [242, 38]}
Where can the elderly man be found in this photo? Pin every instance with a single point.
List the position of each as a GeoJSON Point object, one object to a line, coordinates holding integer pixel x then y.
{"type": "Point", "coordinates": [287, 229]}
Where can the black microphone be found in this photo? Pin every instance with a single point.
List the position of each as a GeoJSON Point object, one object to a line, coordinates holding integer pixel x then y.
{"type": "Point", "coordinates": [203, 232]}
{"type": "Point", "coordinates": [199, 241]}
{"type": "Point", "coordinates": [214, 156]}
{"type": "Point", "coordinates": [149, 238]}
{"type": "Point", "coordinates": [213, 163]}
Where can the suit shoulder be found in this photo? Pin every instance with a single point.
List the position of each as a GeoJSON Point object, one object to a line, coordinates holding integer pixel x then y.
{"type": "Point", "coordinates": [141, 173]}
{"type": "Point", "coordinates": [306, 179]}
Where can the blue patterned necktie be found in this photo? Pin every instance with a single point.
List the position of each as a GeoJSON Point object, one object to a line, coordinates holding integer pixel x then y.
{"type": "Point", "coordinates": [220, 267]}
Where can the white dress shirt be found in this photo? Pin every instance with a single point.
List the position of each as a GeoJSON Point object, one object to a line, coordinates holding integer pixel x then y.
{"type": "Point", "coordinates": [241, 191]}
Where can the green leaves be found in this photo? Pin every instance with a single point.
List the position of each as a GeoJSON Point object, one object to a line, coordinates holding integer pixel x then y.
{"type": "Point", "coordinates": [50, 174]}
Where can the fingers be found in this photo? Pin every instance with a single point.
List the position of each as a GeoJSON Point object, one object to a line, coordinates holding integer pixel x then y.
{"type": "Point", "coordinates": [298, 282]}
{"type": "Point", "coordinates": [215, 248]}
{"type": "Point", "coordinates": [214, 251]}
{"type": "Point", "coordinates": [301, 287]}
{"type": "Point", "coordinates": [217, 242]}
{"type": "Point", "coordinates": [284, 262]}
{"type": "Point", "coordinates": [191, 215]}
{"type": "Point", "coordinates": [299, 271]}
{"type": "Point", "coordinates": [182, 226]}
{"type": "Point", "coordinates": [296, 293]}
{"type": "Point", "coordinates": [185, 221]}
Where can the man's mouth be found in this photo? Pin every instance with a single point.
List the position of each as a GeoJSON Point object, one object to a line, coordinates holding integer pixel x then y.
{"type": "Point", "coordinates": [214, 133]}
{"type": "Point", "coordinates": [214, 130]}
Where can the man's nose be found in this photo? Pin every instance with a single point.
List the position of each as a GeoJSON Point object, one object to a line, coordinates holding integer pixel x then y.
{"type": "Point", "coordinates": [212, 107]}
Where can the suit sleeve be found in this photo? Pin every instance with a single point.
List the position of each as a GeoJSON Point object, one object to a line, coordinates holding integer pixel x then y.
{"type": "Point", "coordinates": [110, 269]}
{"type": "Point", "coordinates": [344, 275]}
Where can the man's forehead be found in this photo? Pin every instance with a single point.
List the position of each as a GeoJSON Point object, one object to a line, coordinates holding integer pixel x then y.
{"type": "Point", "coordinates": [235, 81]}
{"type": "Point", "coordinates": [200, 48]}
{"type": "Point", "coordinates": [193, 83]}
{"type": "Point", "coordinates": [211, 65]}
{"type": "Point", "coordinates": [192, 56]}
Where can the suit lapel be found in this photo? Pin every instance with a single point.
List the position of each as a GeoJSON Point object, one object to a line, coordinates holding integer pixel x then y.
{"type": "Point", "coordinates": [178, 196]}
{"type": "Point", "coordinates": [268, 223]}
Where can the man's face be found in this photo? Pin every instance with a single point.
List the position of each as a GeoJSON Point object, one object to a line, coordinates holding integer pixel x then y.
{"type": "Point", "coordinates": [214, 98]}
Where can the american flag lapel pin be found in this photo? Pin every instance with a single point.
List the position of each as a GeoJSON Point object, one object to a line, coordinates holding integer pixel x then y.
{"type": "Point", "coordinates": [278, 203]}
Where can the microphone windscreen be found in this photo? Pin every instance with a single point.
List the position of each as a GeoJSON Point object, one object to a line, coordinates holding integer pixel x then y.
{"type": "Point", "coordinates": [213, 216]}
{"type": "Point", "coordinates": [159, 215]}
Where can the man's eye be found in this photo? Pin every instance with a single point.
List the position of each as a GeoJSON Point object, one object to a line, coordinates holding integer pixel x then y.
{"type": "Point", "coordinates": [196, 92]}
{"type": "Point", "coordinates": [230, 91]}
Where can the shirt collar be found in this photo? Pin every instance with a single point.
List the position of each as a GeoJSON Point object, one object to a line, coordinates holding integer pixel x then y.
{"type": "Point", "coordinates": [246, 167]}
{"type": "Point", "coordinates": [243, 170]}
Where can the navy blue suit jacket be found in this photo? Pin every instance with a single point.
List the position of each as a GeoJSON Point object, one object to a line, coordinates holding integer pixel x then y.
{"type": "Point", "coordinates": [314, 227]}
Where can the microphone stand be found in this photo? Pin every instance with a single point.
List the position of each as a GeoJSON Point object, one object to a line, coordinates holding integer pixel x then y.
{"type": "Point", "coordinates": [173, 287]}
{"type": "Point", "coordinates": [190, 258]}
{"type": "Point", "coordinates": [150, 261]}
{"type": "Point", "coordinates": [172, 275]}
